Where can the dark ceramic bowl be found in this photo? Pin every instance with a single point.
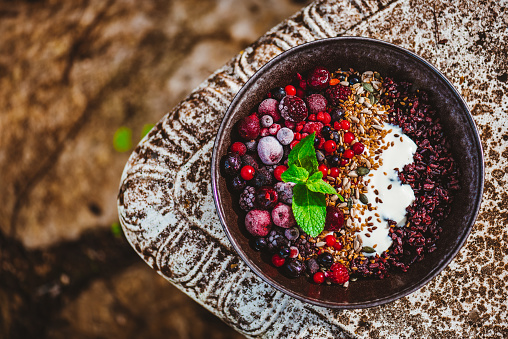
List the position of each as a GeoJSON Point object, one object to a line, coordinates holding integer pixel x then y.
{"type": "Point", "coordinates": [362, 54]}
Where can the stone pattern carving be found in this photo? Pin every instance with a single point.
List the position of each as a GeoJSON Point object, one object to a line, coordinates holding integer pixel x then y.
{"type": "Point", "coordinates": [167, 212]}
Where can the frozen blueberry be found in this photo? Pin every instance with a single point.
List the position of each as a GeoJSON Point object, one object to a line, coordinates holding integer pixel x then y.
{"type": "Point", "coordinates": [278, 93]}
{"type": "Point", "coordinates": [266, 121]}
{"type": "Point", "coordinates": [293, 268]}
{"type": "Point", "coordinates": [325, 260]}
{"type": "Point", "coordinates": [270, 150]}
{"type": "Point", "coordinates": [292, 233]}
{"type": "Point", "coordinates": [285, 136]}
{"type": "Point", "coordinates": [258, 243]}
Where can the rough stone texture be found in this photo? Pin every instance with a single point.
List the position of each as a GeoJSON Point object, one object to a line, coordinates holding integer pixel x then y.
{"type": "Point", "coordinates": [165, 207]}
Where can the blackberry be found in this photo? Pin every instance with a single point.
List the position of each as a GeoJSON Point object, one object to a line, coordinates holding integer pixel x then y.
{"type": "Point", "coordinates": [285, 192]}
{"type": "Point", "coordinates": [231, 163]}
{"type": "Point", "coordinates": [263, 177]}
{"type": "Point", "coordinates": [247, 198]}
{"type": "Point", "coordinates": [337, 93]}
{"type": "Point", "coordinates": [293, 108]}
{"type": "Point", "coordinates": [238, 184]}
{"type": "Point", "coordinates": [248, 160]}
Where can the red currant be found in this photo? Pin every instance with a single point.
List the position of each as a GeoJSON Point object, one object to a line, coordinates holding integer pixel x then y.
{"type": "Point", "coordinates": [239, 147]}
{"type": "Point", "coordinates": [312, 117]}
{"type": "Point", "coordinates": [334, 172]}
{"type": "Point", "coordinates": [348, 154]}
{"type": "Point", "coordinates": [247, 172]}
{"type": "Point", "coordinates": [293, 143]}
{"type": "Point", "coordinates": [345, 125]}
{"type": "Point", "coordinates": [337, 125]}
{"type": "Point", "coordinates": [324, 169]}
{"type": "Point", "coordinates": [320, 116]}
{"type": "Point", "coordinates": [318, 277]}
{"type": "Point", "coordinates": [358, 147]}
{"type": "Point", "coordinates": [330, 146]}
{"type": "Point", "coordinates": [290, 90]}
{"type": "Point", "coordinates": [330, 240]}
{"type": "Point", "coordinates": [337, 246]}
{"type": "Point", "coordinates": [349, 137]}
{"type": "Point", "coordinates": [278, 172]}
{"type": "Point", "coordinates": [297, 136]}
{"type": "Point", "coordinates": [277, 260]}
{"type": "Point", "coordinates": [344, 162]}
{"type": "Point", "coordinates": [327, 118]}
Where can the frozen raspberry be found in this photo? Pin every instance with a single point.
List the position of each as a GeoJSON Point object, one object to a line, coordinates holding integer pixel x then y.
{"type": "Point", "coordinates": [293, 108]}
{"type": "Point", "coordinates": [270, 150]}
{"type": "Point", "coordinates": [247, 198]}
{"type": "Point", "coordinates": [285, 191]}
{"type": "Point", "coordinates": [338, 273]}
{"type": "Point", "coordinates": [313, 126]}
{"type": "Point", "coordinates": [269, 107]}
{"type": "Point", "coordinates": [282, 216]}
{"type": "Point", "coordinates": [334, 219]}
{"type": "Point", "coordinates": [319, 78]}
{"type": "Point", "coordinates": [337, 93]}
{"type": "Point", "coordinates": [249, 127]}
{"type": "Point", "coordinates": [316, 103]}
{"type": "Point", "coordinates": [258, 223]}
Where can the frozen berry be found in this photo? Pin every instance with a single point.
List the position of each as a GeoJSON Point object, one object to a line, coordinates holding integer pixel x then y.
{"type": "Point", "coordinates": [277, 260]}
{"type": "Point", "coordinates": [270, 150]}
{"type": "Point", "coordinates": [349, 137]}
{"type": "Point", "coordinates": [263, 177]}
{"type": "Point", "coordinates": [334, 172]}
{"type": "Point", "coordinates": [258, 222]}
{"type": "Point", "coordinates": [337, 94]}
{"type": "Point", "coordinates": [358, 148]}
{"type": "Point", "coordinates": [274, 129]}
{"type": "Point", "coordinates": [284, 252]}
{"type": "Point", "coordinates": [266, 197]}
{"type": "Point", "coordinates": [269, 107]}
{"type": "Point", "coordinates": [337, 114]}
{"type": "Point", "coordinates": [338, 246]}
{"type": "Point", "coordinates": [266, 121]}
{"type": "Point", "coordinates": [282, 216]}
{"type": "Point", "coordinates": [292, 233]}
{"type": "Point", "coordinates": [293, 108]}
{"type": "Point", "coordinates": [334, 160]}
{"type": "Point", "coordinates": [293, 268]}
{"type": "Point", "coordinates": [311, 127]}
{"type": "Point", "coordinates": [326, 132]}
{"type": "Point", "coordinates": [316, 103]}
{"type": "Point", "coordinates": [248, 160]}
{"type": "Point", "coordinates": [334, 218]}
{"type": "Point", "coordinates": [325, 260]}
{"type": "Point", "coordinates": [251, 145]}
{"type": "Point", "coordinates": [285, 136]}
{"type": "Point", "coordinates": [312, 266]}
{"type": "Point", "coordinates": [231, 163]}
{"type": "Point", "coordinates": [324, 169]}
{"type": "Point", "coordinates": [247, 198]}
{"type": "Point", "coordinates": [238, 183]}
{"type": "Point", "coordinates": [293, 252]}
{"type": "Point", "coordinates": [338, 273]}
{"type": "Point", "coordinates": [318, 277]}
{"type": "Point", "coordinates": [239, 147]}
{"type": "Point", "coordinates": [249, 127]}
{"type": "Point", "coordinates": [264, 132]}
{"type": "Point", "coordinates": [277, 172]}
{"type": "Point", "coordinates": [278, 93]}
{"type": "Point", "coordinates": [285, 191]}
{"type": "Point", "coordinates": [247, 172]}
{"type": "Point", "coordinates": [258, 243]}
{"type": "Point", "coordinates": [319, 78]}
{"type": "Point", "coordinates": [345, 124]}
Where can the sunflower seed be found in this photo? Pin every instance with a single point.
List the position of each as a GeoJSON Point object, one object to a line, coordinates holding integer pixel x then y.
{"type": "Point", "coordinates": [344, 83]}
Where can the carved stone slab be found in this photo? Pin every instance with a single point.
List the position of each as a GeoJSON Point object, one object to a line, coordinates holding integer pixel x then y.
{"type": "Point", "coordinates": [167, 212]}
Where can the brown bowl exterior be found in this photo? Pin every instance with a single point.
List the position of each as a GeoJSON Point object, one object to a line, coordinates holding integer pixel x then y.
{"type": "Point", "coordinates": [361, 54]}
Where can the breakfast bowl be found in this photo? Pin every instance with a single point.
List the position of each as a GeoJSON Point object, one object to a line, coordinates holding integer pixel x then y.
{"type": "Point", "coordinates": [374, 58]}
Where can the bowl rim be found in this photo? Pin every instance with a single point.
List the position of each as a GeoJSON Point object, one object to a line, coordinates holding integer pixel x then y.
{"type": "Point", "coordinates": [403, 292]}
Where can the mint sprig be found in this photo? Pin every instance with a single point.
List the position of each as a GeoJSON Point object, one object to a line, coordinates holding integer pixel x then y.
{"type": "Point", "coordinates": [309, 200]}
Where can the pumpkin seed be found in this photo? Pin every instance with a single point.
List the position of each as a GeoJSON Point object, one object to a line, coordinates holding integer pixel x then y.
{"type": "Point", "coordinates": [362, 170]}
{"type": "Point", "coordinates": [368, 249]}
{"type": "Point", "coordinates": [349, 203]}
{"type": "Point", "coordinates": [364, 199]}
{"type": "Point", "coordinates": [368, 87]}
{"type": "Point", "coordinates": [372, 98]}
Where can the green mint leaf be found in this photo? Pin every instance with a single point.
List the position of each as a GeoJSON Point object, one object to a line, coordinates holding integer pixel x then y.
{"type": "Point", "coordinates": [309, 209]}
{"type": "Point", "coordinates": [304, 154]}
{"type": "Point", "coordinates": [295, 174]}
{"type": "Point", "coordinates": [320, 186]}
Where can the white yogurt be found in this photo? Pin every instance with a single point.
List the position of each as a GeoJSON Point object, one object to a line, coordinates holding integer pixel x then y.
{"type": "Point", "coordinates": [393, 196]}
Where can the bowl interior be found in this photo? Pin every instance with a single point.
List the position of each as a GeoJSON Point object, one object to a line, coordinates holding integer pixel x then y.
{"type": "Point", "coordinates": [361, 54]}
